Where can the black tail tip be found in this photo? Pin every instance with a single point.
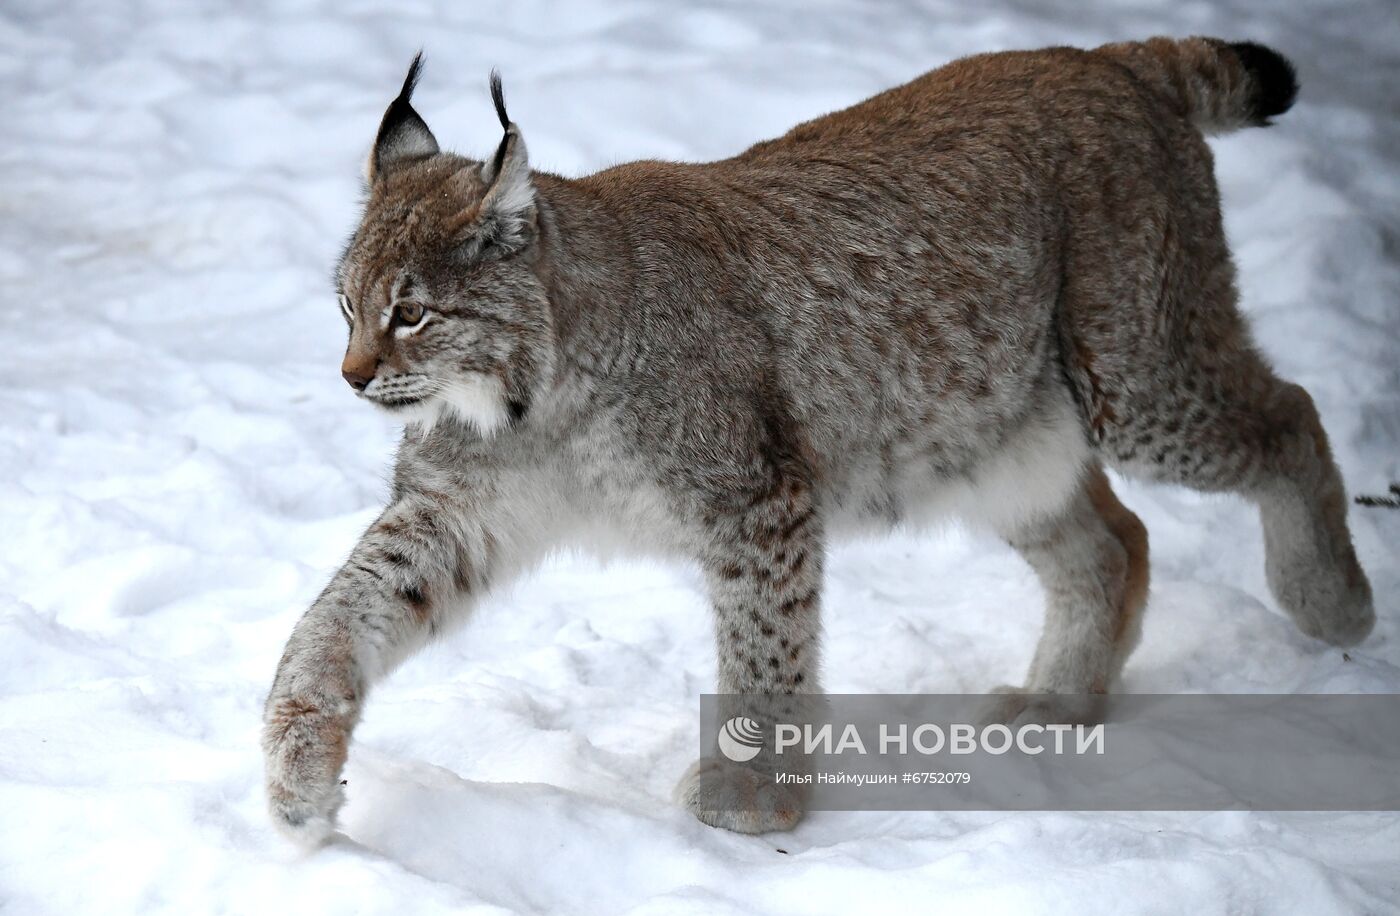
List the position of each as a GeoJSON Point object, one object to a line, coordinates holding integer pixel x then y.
{"type": "Point", "coordinates": [1275, 80]}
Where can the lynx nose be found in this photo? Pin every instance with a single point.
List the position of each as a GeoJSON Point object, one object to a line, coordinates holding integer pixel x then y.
{"type": "Point", "coordinates": [357, 381]}
{"type": "Point", "coordinates": [358, 369]}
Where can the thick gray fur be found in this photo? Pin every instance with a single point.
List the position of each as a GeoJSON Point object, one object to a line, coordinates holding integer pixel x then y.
{"type": "Point", "coordinates": [965, 295]}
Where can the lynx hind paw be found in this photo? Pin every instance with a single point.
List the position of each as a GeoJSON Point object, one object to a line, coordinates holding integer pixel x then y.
{"type": "Point", "coordinates": [1332, 603]}
{"type": "Point", "coordinates": [738, 798]}
{"type": "Point", "coordinates": [1016, 706]}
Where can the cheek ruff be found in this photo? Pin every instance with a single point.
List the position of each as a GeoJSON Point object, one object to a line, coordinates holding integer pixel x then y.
{"type": "Point", "coordinates": [477, 400]}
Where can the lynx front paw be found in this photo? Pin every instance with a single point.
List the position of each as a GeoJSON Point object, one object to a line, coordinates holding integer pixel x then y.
{"type": "Point", "coordinates": [738, 798]}
{"type": "Point", "coordinates": [1015, 706]}
{"type": "Point", "coordinates": [304, 749]}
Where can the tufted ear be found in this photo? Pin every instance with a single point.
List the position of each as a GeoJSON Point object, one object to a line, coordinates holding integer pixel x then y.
{"type": "Point", "coordinates": [506, 215]}
{"type": "Point", "coordinates": [403, 135]}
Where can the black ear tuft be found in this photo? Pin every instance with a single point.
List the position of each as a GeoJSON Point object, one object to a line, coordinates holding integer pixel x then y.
{"type": "Point", "coordinates": [402, 133]}
{"type": "Point", "coordinates": [498, 98]}
{"type": "Point", "coordinates": [410, 81]}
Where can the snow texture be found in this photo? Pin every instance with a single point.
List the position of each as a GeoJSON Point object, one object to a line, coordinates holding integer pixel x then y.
{"type": "Point", "coordinates": [181, 468]}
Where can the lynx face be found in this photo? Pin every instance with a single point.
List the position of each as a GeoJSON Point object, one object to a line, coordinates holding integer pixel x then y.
{"type": "Point", "coordinates": [446, 314]}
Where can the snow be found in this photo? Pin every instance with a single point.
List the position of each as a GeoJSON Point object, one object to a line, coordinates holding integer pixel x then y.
{"type": "Point", "coordinates": [181, 468]}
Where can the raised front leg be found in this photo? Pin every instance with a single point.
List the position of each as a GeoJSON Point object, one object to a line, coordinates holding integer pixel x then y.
{"type": "Point", "coordinates": [764, 572]}
{"type": "Point", "coordinates": [413, 573]}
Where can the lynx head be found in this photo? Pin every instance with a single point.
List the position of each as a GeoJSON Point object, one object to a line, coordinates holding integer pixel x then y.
{"type": "Point", "coordinates": [447, 315]}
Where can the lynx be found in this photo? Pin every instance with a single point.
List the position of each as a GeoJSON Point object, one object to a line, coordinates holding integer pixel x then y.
{"type": "Point", "coordinates": [969, 294]}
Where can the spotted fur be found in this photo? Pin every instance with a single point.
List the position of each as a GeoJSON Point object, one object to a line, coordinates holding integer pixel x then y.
{"type": "Point", "coordinates": [965, 294]}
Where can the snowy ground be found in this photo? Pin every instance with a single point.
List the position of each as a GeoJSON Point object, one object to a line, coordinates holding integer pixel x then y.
{"type": "Point", "coordinates": [181, 468]}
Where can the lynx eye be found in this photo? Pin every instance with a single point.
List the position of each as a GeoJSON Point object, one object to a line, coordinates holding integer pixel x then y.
{"type": "Point", "coordinates": [345, 309]}
{"type": "Point", "coordinates": [409, 313]}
